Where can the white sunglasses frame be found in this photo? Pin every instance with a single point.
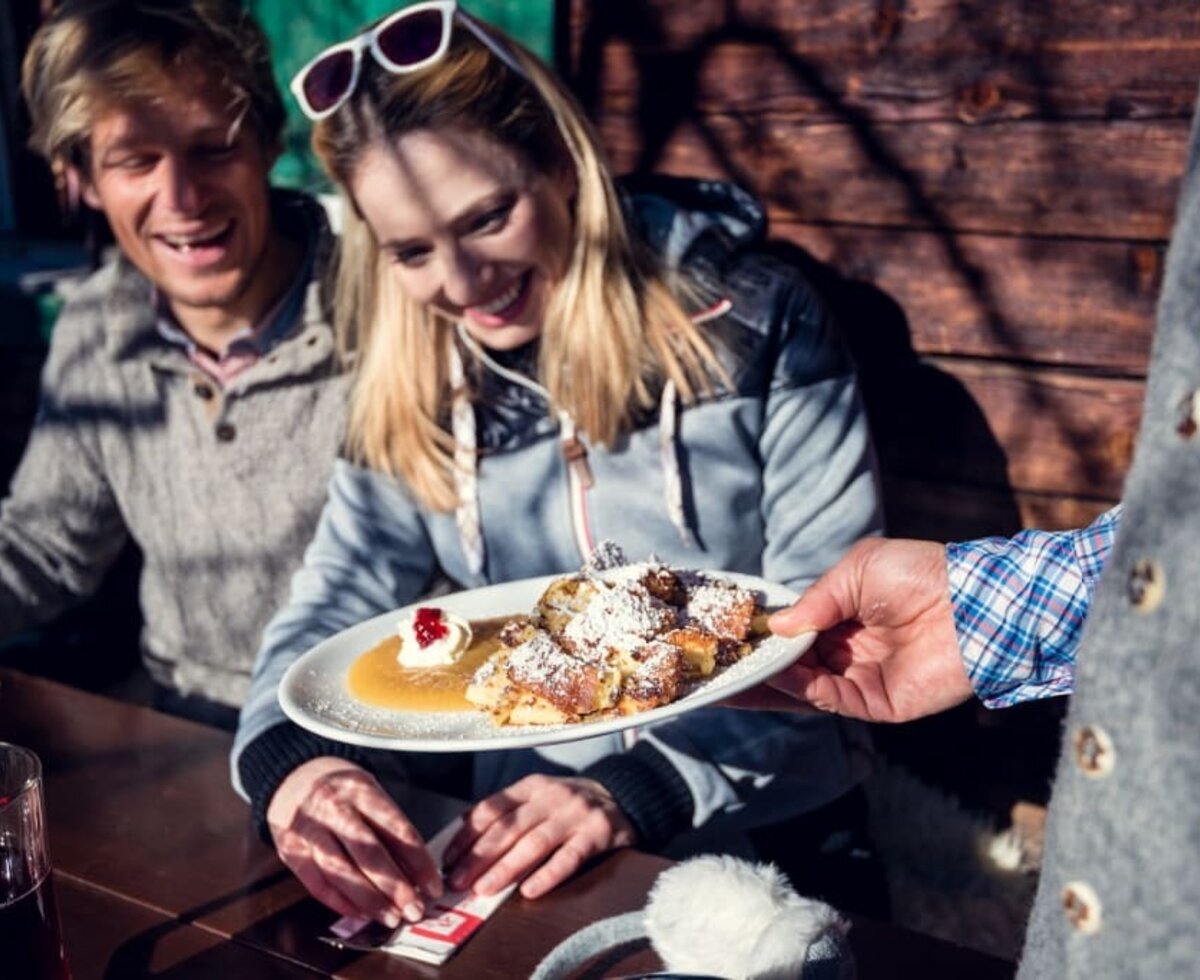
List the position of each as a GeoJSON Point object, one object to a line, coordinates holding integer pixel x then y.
{"type": "Point", "coordinates": [368, 41]}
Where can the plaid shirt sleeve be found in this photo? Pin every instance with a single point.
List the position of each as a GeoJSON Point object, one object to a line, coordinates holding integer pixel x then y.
{"type": "Point", "coordinates": [1020, 604]}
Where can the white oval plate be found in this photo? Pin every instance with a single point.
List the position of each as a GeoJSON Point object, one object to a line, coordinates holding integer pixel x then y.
{"type": "Point", "coordinates": [314, 695]}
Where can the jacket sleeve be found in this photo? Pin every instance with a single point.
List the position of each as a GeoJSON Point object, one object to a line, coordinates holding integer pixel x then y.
{"type": "Point", "coordinates": [60, 526]}
{"type": "Point", "coordinates": [819, 495]}
{"type": "Point", "coordinates": [820, 486]}
{"type": "Point", "coordinates": [370, 554]}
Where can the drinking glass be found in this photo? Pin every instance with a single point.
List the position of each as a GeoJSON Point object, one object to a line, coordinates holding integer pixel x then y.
{"type": "Point", "coordinates": [31, 943]}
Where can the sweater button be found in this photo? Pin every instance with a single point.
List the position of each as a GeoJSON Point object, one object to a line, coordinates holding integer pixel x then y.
{"type": "Point", "coordinates": [1187, 415]}
{"type": "Point", "coordinates": [226, 432]}
{"type": "Point", "coordinates": [1093, 751]}
{"type": "Point", "coordinates": [1081, 906]}
{"type": "Point", "coordinates": [1145, 585]}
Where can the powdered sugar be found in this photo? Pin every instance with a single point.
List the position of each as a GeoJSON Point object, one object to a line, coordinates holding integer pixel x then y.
{"type": "Point", "coordinates": [614, 640]}
{"type": "Point", "coordinates": [606, 556]}
{"type": "Point", "coordinates": [619, 616]}
{"type": "Point", "coordinates": [545, 668]}
{"type": "Point", "coordinates": [715, 605]}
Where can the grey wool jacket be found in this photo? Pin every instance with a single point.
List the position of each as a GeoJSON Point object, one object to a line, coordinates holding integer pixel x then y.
{"type": "Point", "coordinates": [1119, 895]}
{"type": "Point", "coordinates": [221, 490]}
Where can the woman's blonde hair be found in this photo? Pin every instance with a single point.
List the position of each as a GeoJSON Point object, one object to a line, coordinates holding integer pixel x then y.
{"type": "Point", "coordinates": [612, 331]}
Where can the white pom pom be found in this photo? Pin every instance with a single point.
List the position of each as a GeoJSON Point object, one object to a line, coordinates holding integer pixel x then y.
{"type": "Point", "coordinates": [728, 918]}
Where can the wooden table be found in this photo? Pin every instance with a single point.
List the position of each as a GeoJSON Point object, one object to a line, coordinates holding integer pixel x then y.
{"type": "Point", "coordinates": [108, 936]}
{"type": "Point", "coordinates": [160, 873]}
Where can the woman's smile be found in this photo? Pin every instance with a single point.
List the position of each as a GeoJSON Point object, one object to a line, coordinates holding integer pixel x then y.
{"type": "Point", "coordinates": [472, 231]}
{"type": "Point", "coordinates": [504, 308]}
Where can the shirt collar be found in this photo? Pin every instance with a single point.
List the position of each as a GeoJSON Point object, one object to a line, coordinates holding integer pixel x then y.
{"type": "Point", "coordinates": [129, 312]}
{"type": "Point", "coordinates": [275, 324]}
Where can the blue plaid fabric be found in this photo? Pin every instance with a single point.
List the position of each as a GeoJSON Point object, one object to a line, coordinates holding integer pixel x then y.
{"type": "Point", "coordinates": [1020, 604]}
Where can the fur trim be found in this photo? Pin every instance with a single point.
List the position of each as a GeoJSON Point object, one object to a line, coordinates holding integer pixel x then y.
{"type": "Point", "coordinates": [724, 917]}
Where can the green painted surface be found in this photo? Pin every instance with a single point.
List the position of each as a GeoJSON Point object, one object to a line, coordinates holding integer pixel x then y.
{"type": "Point", "coordinates": [298, 29]}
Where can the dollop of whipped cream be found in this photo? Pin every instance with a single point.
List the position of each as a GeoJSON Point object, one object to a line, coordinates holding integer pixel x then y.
{"type": "Point", "coordinates": [432, 637]}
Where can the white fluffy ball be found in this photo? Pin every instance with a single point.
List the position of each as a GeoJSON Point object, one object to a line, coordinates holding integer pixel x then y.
{"type": "Point", "coordinates": [725, 917]}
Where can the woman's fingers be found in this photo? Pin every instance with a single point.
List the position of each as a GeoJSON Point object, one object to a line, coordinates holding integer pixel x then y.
{"type": "Point", "coordinates": [374, 861]}
{"type": "Point", "coordinates": [350, 845]}
{"type": "Point", "coordinates": [547, 826]}
{"type": "Point", "coordinates": [476, 822]}
{"type": "Point", "coordinates": [345, 876]}
{"type": "Point", "coordinates": [403, 842]}
{"type": "Point", "coordinates": [500, 832]}
{"type": "Point", "coordinates": [489, 874]}
{"type": "Point", "coordinates": [562, 863]}
{"type": "Point", "coordinates": [337, 806]}
{"type": "Point", "coordinates": [296, 854]}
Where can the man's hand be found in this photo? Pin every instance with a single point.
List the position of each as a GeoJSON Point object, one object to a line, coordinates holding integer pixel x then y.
{"type": "Point", "coordinates": [887, 650]}
{"type": "Point", "coordinates": [349, 844]}
{"type": "Point", "coordinates": [551, 823]}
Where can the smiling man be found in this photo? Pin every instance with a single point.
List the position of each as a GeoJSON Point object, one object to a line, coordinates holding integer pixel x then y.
{"type": "Point", "coordinates": [192, 397]}
{"type": "Point", "coordinates": [185, 192]}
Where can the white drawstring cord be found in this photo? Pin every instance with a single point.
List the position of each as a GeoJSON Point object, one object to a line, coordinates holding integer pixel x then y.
{"type": "Point", "coordinates": [579, 474]}
{"type": "Point", "coordinates": [668, 452]}
{"type": "Point", "coordinates": [466, 478]}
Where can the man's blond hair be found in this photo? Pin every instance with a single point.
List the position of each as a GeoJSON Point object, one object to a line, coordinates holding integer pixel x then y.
{"type": "Point", "coordinates": [90, 54]}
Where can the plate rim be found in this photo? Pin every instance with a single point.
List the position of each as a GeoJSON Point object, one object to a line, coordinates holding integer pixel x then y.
{"type": "Point", "coordinates": [372, 630]}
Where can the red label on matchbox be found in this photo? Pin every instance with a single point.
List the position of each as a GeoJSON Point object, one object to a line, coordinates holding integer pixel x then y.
{"type": "Point", "coordinates": [451, 922]}
{"type": "Point", "coordinates": [452, 926]}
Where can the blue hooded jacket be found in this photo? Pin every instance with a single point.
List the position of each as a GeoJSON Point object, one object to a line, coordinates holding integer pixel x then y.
{"type": "Point", "coordinates": [775, 476]}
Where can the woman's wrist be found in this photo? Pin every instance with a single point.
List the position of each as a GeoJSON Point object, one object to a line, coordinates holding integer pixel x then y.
{"type": "Point", "coordinates": [267, 761]}
{"type": "Point", "coordinates": [649, 791]}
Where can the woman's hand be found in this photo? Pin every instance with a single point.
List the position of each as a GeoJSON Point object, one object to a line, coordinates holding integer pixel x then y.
{"type": "Point", "coordinates": [349, 844]}
{"type": "Point", "coordinates": [551, 823]}
{"type": "Point", "coordinates": [887, 650]}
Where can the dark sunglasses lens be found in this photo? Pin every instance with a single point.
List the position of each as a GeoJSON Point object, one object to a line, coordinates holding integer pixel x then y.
{"type": "Point", "coordinates": [411, 40]}
{"type": "Point", "coordinates": [329, 80]}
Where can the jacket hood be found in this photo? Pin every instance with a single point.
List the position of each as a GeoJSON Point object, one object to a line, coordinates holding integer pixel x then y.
{"type": "Point", "coordinates": [683, 219]}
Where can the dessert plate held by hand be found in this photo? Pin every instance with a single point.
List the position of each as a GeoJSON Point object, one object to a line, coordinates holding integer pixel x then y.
{"type": "Point", "coordinates": [314, 692]}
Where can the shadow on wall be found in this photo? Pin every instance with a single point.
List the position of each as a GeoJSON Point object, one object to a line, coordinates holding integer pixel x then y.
{"type": "Point", "coordinates": [925, 423]}
{"type": "Point", "coordinates": [1000, 758]}
{"type": "Point", "coordinates": [927, 426]}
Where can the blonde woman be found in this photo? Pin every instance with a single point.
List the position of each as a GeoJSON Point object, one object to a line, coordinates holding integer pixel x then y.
{"type": "Point", "coordinates": [543, 360]}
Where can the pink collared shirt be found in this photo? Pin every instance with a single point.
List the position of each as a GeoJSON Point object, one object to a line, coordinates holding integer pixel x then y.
{"type": "Point", "coordinates": [249, 345]}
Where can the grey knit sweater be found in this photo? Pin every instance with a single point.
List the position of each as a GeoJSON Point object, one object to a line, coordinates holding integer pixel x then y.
{"type": "Point", "coordinates": [1119, 895]}
{"type": "Point", "coordinates": [220, 489]}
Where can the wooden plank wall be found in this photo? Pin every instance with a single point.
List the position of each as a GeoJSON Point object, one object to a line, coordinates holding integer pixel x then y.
{"type": "Point", "coordinates": [985, 187]}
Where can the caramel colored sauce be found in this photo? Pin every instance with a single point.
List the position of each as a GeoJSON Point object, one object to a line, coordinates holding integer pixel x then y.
{"type": "Point", "coordinates": [376, 678]}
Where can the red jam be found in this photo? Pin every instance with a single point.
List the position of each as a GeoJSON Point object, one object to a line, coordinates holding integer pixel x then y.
{"type": "Point", "coordinates": [428, 626]}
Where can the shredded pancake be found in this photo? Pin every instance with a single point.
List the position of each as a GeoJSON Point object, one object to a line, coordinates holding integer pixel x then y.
{"type": "Point", "coordinates": [614, 639]}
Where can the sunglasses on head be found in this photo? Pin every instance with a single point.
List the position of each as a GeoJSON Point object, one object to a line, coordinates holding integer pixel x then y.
{"type": "Point", "coordinates": [408, 40]}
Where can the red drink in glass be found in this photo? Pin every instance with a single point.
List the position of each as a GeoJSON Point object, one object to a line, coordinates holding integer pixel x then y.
{"type": "Point", "coordinates": [31, 945]}
{"type": "Point", "coordinates": [30, 939]}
